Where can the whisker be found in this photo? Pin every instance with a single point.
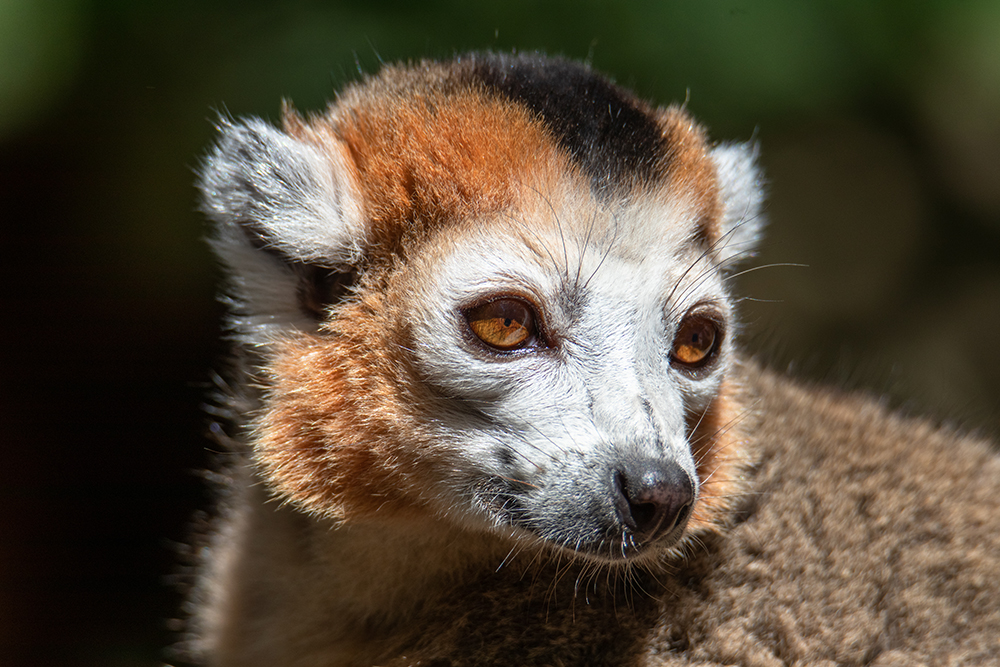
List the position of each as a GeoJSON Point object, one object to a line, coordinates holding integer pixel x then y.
{"type": "Point", "coordinates": [583, 249]}
{"type": "Point", "coordinates": [772, 265]}
{"type": "Point", "coordinates": [704, 254]}
{"type": "Point", "coordinates": [519, 481]}
{"type": "Point", "coordinates": [606, 253]}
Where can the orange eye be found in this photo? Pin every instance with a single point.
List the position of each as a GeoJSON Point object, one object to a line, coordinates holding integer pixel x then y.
{"type": "Point", "coordinates": [695, 341]}
{"type": "Point", "coordinates": [506, 324]}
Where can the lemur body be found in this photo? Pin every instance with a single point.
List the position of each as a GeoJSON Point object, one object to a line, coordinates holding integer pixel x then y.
{"type": "Point", "coordinates": [494, 415]}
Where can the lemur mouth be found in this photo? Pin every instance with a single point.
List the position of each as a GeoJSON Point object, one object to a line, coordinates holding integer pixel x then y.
{"type": "Point", "coordinates": [633, 529]}
{"type": "Point", "coordinates": [626, 546]}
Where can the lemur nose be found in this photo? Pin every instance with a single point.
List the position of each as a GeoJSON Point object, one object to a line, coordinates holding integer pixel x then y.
{"type": "Point", "coordinates": [653, 497]}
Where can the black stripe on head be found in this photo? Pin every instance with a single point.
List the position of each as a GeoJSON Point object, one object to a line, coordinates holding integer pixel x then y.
{"type": "Point", "coordinates": [610, 133]}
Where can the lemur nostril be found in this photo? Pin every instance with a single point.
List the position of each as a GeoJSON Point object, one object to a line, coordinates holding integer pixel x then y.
{"type": "Point", "coordinates": [643, 514]}
{"type": "Point", "coordinates": [653, 497]}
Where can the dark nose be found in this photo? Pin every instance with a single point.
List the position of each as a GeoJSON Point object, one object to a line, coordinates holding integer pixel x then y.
{"type": "Point", "coordinates": [653, 497]}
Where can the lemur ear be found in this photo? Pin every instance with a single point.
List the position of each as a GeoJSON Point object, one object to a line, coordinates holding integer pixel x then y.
{"type": "Point", "coordinates": [288, 225]}
{"type": "Point", "coordinates": [741, 186]}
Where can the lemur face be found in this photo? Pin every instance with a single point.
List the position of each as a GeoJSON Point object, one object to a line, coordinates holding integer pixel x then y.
{"type": "Point", "coordinates": [492, 290]}
{"type": "Point", "coordinates": [573, 361]}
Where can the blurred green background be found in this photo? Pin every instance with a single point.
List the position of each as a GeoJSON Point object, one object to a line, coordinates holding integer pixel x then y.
{"type": "Point", "coordinates": [880, 132]}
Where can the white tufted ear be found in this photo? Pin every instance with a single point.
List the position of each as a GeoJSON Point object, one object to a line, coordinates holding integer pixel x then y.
{"type": "Point", "coordinates": [287, 221]}
{"type": "Point", "coordinates": [742, 192]}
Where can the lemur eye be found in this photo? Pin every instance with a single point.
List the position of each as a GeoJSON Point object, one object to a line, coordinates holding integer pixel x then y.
{"type": "Point", "coordinates": [505, 324]}
{"type": "Point", "coordinates": [696, 341]}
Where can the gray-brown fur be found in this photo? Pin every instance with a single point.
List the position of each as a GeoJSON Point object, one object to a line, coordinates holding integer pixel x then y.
{"type": "Point", "coordinates": [865, 539]}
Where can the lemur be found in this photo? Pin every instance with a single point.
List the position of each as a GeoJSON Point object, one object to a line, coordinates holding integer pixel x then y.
{"type": "Point", "coordinates": [487, 407]}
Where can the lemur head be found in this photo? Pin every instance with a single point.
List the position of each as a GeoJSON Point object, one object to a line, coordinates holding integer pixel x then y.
{"type": "Point", "coordinates": [492, 290]}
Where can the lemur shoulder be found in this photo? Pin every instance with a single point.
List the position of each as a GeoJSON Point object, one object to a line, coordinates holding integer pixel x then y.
{"type": "Point", "coordinates": [487, 407]}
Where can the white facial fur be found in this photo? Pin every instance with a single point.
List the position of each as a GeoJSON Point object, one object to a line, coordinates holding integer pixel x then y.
{"type": "Point", "coordinates": [538, 437]}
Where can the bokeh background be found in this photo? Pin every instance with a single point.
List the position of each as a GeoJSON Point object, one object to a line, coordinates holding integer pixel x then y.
{"type": "Point", "coordinates": [880, 133]}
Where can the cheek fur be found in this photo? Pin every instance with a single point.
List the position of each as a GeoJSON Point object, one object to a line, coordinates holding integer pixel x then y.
{"type": "Point", "coordinates": [718, 446]}
{"type": "Point", "coordinates": [338, 437]}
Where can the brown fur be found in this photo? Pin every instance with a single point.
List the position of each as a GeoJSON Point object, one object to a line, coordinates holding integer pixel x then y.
{"type": "Point", "coordinates": [339, 407]}
{"type": "Point", "coordinates": [720, 452]}
{"type": "Point", "coordinates": [446, 155]}
{"type": "Point", "coordinates": [866, 539]}
{"type": "Point", "coordinates": [863, 538]}
{"type": "Point", "coordinates": [453, 152]}
{"type": "Point", "coordinates": [690, 171]}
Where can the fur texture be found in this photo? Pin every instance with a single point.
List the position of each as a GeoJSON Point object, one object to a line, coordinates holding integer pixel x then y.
{"type": "Point", "coordinates": [489, 409]}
